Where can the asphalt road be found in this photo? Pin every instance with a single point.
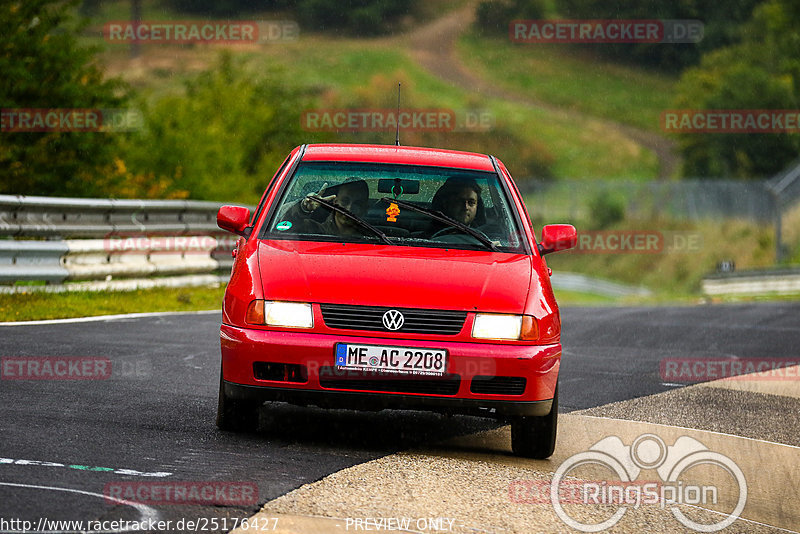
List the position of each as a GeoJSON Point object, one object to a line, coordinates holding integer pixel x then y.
{"type": "Point", "coordinates": [155, 413]}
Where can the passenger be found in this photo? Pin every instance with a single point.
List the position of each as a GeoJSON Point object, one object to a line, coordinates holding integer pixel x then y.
{"type": "Point", "coordinates": [352, 195]}
{"type": "Point", "coordinates": [459, 199]}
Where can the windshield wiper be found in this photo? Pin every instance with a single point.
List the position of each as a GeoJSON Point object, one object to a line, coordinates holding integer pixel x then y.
{"type": "Point", "coordinates": [441, 217]}
{"type": "Point", "coordinates": [349, 214]}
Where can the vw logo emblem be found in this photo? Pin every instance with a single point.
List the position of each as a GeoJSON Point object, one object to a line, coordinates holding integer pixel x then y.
{"type": "Point", "coordinates": [393, 320]}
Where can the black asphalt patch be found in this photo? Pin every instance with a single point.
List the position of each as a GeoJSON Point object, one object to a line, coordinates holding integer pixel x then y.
{"type": "Point", "coordinates": [740, 413]}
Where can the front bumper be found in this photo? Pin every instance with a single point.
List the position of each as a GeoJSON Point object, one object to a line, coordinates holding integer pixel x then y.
{"type": "Point", "coordinates": [244, 347]}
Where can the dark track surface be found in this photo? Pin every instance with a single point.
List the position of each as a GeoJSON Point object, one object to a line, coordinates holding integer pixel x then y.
{"type": "Point", "coordinates": [156, 412]}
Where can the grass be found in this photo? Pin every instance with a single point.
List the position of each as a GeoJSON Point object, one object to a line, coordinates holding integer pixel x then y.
{"type": "Point", "coordinates": [562, 76]}
{"type": "Point", "coordinates": [742, 299]}
{"type": "Point", "coordinates": [674, 273]}
{"type": "Point", "coordinates": [120, 10]}
{"type": "Point", "coordinates": [573, 299]}
{"type": "Point", "coordinates": [349, 72]}
{"type": "Point", "coordinates": [346, 67]}
{"type": "Point", "coordinates": [41, 306]}
{"type": "Point", "coordinates": [580, 92]}
{"type": "Point", "coordinates": [576, 298]}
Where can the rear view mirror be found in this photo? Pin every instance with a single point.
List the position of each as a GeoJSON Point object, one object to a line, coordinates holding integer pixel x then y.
{"type": "Point", "coordinates": [398, 187]}
{"type": "Point", "coordinates": [234, 219]}
{"type": "Point", "coordinates": [557, 237]}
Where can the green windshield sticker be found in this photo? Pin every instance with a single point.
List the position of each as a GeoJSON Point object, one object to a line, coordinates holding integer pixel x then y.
{"type": "Point", "coordinates": [283, 225]}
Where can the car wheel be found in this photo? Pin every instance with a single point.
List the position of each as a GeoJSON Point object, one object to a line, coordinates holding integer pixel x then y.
{"type": "Point", "coordinates": [236, 415]}
{"type": "Point", "coordinates": [535, 436]}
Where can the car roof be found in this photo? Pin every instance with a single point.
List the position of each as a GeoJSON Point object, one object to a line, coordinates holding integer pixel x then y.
{"type": "Point", "coordinates": [406, 155]}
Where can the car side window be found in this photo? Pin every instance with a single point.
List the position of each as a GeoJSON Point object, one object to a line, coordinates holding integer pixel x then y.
{"type": "Point", "coordinates": [271, 184]}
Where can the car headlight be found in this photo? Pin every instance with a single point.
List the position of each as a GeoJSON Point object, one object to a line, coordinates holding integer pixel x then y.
{"type": "Point", "coordinates": [498, 326]}
{"type": "Point", "coordinates": [286, 314]}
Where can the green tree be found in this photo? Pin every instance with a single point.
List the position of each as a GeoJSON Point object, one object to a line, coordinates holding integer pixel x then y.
{"type": "Point", "coordinates": [722, 27]}
{"type": "Point", "coordinates": [44, 66]}
{"type": "Point", "coordinates": [492, 17]}
{"type": "Point", "coordinates": [355, 17]}
{"type": "Point", "coordinates": [762, 72]}
{"type": "Point", "coordinates": [221, 138]}
{"type": "Point", "coordinates": [225, 8]}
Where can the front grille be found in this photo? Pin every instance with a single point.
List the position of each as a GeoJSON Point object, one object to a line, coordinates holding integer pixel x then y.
{"type": "Point", "coordinates": [333, 378]}
{"type": "Point", "coordinates": [416, 321]}
{"type": "Point", "coordinates": [498, 385]}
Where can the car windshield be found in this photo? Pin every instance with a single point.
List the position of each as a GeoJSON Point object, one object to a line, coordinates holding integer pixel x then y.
{"type": "Point", "coordinates": [403, 205]}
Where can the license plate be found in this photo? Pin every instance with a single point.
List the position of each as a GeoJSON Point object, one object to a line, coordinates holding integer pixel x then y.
{"type": "Point", "coordinates": [401, 360]}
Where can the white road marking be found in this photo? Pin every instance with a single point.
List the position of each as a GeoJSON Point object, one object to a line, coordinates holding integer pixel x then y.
{"type": "Point", "coordinates": [691, 429]}
{"type": "Point", "coordinates": [80, 467]}
{"type": "Point", "coordinates": [146, 513]}
{"type": "Point", "coordinates": [740, 518]}
{"type": "Point", "coordinates": [99, 318]}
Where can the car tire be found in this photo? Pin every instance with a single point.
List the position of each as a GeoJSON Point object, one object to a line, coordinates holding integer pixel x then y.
{"type": "Point", "coordinates": [535, 436]}
{"type": "Point", "coordinates": [236, 415]}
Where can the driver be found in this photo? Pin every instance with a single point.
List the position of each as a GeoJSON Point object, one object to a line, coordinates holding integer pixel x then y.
{"type": "Point", "coordinates": [459, 199]}
{"type": "Point", "coordinates": [352, 195]}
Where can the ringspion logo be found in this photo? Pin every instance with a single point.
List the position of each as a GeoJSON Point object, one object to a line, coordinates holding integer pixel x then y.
{"type": "Point", "coordinates": [648, 452]}
{"type": "Point", "coordinates": [575, 491]}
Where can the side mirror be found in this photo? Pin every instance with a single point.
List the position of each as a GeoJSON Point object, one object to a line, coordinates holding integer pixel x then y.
{"type": "Point", "coordinates": [234, 219]}
{"type": "Point", "coordinates": [557, 237]}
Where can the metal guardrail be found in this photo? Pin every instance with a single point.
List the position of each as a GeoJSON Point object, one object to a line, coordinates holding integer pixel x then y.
{"type": "Point", "coordinates": [110, 244]}
{"type": "Point", "coordinates": [156, 243]}
{"type": "Point", "coordinates": [30, 216]}
{"type": "Point", "coordinates": [93, 259]}
{"type": "Point", "coordinates": [32, 260]}
{"type": "Point", "coordinates": [786, 184]}
{"type": "Point", "coordinates": [595, 286]}
{"type": "Point", "coordinates": [762, 282]}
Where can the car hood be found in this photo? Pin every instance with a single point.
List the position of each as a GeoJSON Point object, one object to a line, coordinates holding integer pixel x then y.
{"type": "Point", "coordinates": [403, 277]}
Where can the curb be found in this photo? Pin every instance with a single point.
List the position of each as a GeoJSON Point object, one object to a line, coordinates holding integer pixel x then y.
{"type": "Point", "coordinates": [470, 479]}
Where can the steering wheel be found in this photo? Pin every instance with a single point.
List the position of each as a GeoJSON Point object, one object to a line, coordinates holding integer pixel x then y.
{"type": "Point", "coordinates": [454, 230]}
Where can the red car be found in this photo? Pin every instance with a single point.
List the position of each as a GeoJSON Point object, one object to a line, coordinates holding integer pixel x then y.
{"type": "Point", "coordinates": [374, 277]}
